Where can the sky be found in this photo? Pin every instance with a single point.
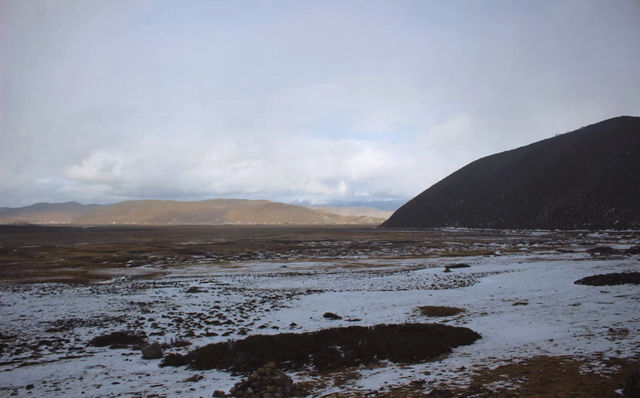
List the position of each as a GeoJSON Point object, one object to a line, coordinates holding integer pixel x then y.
{"type": "Point", "coordinates": [314, 102]}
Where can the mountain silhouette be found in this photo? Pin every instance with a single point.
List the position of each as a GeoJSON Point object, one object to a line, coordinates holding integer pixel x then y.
{"type": "Point", "coordinates": [585, 179]}
{"type": "Point", "coordinates": [173, 212]}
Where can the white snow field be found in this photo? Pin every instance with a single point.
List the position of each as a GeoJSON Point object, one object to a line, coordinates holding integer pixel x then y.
{"type": "Point", "coordinates": [523, 304]}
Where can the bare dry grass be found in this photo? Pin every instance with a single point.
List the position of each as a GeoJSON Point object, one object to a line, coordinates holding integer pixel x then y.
{"type": "Point", "coordinates": [553, 377]}
{"type": "Point", "coordinates": [31, 254]}
{"type": "Point", "coordinates": [536, 377]}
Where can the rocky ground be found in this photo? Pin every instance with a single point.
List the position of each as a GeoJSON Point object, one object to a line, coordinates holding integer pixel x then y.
{"type": "Point", "coordinates": [81, 328]}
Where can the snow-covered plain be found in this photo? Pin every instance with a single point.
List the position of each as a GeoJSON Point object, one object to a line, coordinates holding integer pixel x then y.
{"type": "Point", "coordinates": [523, 303]}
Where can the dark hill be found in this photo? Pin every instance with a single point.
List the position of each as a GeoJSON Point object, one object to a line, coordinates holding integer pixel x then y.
{"type": "Point", "coordinates": [585, 179]}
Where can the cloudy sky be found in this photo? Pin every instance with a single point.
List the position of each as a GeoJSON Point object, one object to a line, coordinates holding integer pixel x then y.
{"type": "Point", "coordinates": [317, 101]}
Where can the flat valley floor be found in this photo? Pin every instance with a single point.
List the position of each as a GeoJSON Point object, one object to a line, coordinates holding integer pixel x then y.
{"type": "Point", "coordinates": [185, 287]}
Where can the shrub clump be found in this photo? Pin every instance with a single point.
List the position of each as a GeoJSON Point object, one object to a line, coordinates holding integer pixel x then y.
{"type": "Point", "coordinates": [458, 265]}
{"type": "Point", "coordinates": [266, 381]}
{"type": "Point", "coordinates": [331, 349]}
{"type": "Point", "coordinates": [331, 315]}
{"type": "Point", "coordinates": [152, 351]}
{"type": "Point", "coordinates": [120, 339]}
{"type": "Point", "coordinates": [438, 311]}
{"type": "Point", "coordinates": [633, 250]}
{"type": "Point", "coordinates": [602, 251]}
{"type": "Point", "coordinates": [174, 359]}
{"type": "Point", "coordinates": [616, 278]}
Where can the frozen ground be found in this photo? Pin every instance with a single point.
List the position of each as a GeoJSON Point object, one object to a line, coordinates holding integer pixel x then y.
{"type": "Point", "coordinates": [523, 302]}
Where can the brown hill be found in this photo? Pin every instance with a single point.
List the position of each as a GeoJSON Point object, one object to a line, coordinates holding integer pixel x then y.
{"type": "Point", "coordinates": [213, 212]}
{"type": "Point", "coordinates": [586, 179]}
{"type": "Point", "coordinates": [44, 213]}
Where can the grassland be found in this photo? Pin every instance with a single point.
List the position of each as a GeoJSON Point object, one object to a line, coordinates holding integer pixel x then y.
{"type": "Point", "coordinates": [72, 297]}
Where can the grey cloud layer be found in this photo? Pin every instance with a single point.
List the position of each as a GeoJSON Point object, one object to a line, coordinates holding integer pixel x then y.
{"type": "Point", "coordinates": [322, 101]}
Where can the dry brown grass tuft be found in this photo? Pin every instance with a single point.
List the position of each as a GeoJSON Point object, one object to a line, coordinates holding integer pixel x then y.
{"type": "Point", "coordinates": [552, 377]}
{"type": "Point", "coordinates": [537, 377]}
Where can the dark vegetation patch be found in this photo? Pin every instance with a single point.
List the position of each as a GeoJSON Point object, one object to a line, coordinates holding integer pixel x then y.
{"type": "Point", "coordinates": [437, 311]}
{"type": "Point", "coordinates": [448, 268]}
{"type": "Point", "coordinates": [331, 315]}
{"type": "Point", "coordinates": [602, 251]}
{"type": "Point", "coordinates": [616, 278]}
{"type": "Point", "coordinates": [7, 336]}
{"type": "Point", "coordinates": [267, 381]}
{"type": "Point", "coordinates": [152, 351]}
{"type": "Point", "coordinates": [66, 324]}
{"type": "Point", "coordinates": [330, 349]}
{"type": "Point", "coordinates": [609, 251]}
{"type": "Point", "coordinates": [119, 340]}
{"type": "Point", "coordinates": [176, 342]}
{"type": "Point", "coordinates": [173, 359]}
{"type": "Point", "coordinates": [458, 265]}
{"type": "Point", "coordinates": [632, 387]}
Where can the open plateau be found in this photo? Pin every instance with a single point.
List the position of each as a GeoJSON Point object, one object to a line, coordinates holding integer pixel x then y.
{"type": "Point", "coordinates": [201, 311]}
{"type": "Point", "coordinates": [319, 199]}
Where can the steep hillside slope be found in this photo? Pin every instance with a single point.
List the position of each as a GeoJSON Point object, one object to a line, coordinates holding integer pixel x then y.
{"type": "Point", "coordinates": [589, 178]}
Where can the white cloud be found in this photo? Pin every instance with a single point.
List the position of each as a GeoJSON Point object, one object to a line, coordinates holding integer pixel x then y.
{"type": "Point", "coordinates": [100, 166]}
{"type": "Point", "coordinates": [293, 166]}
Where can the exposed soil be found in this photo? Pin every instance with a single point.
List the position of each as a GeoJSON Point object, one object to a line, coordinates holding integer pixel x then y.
{"type": "Point", "coordinates": [616, 278]}
{"type": "Point", "coordinates": [334, 348]}
{"type": "Point", "coordinates": [439, 311]}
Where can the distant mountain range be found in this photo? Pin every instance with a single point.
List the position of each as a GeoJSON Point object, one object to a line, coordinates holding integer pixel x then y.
{"type": "Point", "coordinates": [585, 179]}
{"type": "Point", "coordinates": [170, 212]}
{"type": "Point", "coordinates": [59, 213]}
{"type": "Point", "coordinates": [354, 211]}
